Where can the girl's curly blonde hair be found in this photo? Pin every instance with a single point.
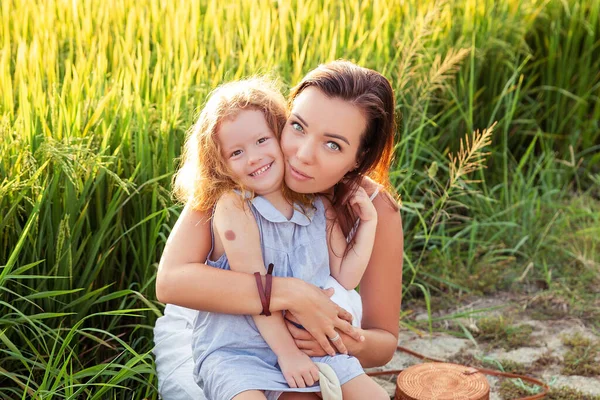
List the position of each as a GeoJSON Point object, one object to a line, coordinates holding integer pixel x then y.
{"type": "Point", "coordinates": [204, 176]}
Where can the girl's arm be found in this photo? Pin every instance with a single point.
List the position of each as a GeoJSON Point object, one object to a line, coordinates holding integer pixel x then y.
{"type": "Point", "coordinates": [348, 267]}
{"type": "Point", "coordinates": [381, 293]}
{"type": "Point", "coordinates": [237, 231]}
{"type": "Point", "coordinates": [184, 280]}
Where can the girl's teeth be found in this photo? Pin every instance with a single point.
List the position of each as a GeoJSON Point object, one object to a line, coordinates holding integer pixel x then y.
{"type": "Point", "coordinates": [260, 171]}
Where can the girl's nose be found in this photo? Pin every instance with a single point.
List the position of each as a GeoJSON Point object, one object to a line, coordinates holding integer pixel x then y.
{"type": "Point", "coordinates": [254, 158]}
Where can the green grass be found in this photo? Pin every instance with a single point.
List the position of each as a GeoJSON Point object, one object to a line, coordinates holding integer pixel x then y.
{"type": "Point", "coordinates": [509, 390]}
{"type": "Point", "coordinates": [481, 361]}
{"type": "Point", "coordinates": [499, 331]}
{"type": "Point", "coordinates": [96, 97]}
{"type": "Point", "coordinates": [581, 357]}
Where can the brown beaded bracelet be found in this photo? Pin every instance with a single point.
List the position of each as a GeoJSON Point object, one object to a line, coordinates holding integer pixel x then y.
{"type": "Point", "coordinates": [265, 294]}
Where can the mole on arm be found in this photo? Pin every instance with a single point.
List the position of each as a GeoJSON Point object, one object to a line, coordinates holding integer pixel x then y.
{"type": "Point", "coordinates": [229, 235]}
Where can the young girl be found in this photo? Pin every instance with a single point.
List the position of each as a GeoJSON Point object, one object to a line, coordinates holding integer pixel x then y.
{"type": "Point", "coordinates": [241, 169]}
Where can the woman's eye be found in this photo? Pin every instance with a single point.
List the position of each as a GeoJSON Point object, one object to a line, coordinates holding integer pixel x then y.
{"type": "Point", "coordinates": [333, 146]}
{"type": "Point", "coordinates": [236, 153]}
{"type": "Point", "coordinates": [297, 127]}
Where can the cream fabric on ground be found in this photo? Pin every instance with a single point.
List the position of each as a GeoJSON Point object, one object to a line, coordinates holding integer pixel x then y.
{"type": "Point", "coordinates": [330, 384]}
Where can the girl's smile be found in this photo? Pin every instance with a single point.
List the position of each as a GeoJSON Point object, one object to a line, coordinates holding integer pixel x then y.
{"type": "Point", "coordinates": [261, 170]}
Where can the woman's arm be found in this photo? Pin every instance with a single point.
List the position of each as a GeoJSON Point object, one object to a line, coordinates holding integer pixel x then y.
{"type": "Point", "coordinates": [381, 288]}
{"type": "Point", "coordinates": [184, 280]}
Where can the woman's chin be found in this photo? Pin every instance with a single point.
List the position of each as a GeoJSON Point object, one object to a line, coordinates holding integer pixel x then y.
{"type": "Point", "coordinates": [296, 186]}
{"type": "Point", "coordinates": [304, 187]}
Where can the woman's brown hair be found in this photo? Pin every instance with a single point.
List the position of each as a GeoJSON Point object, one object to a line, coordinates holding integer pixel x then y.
{"type": "Point", "coordinates": [372, 93]}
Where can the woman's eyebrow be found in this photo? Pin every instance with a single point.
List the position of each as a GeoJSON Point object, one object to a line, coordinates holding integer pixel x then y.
{"type": "Point", "coordinates": [300, 118]}
{"type": "Point", "coordinates": [340, 137]}
{"type": "Point", "coordinates": [332, 135]}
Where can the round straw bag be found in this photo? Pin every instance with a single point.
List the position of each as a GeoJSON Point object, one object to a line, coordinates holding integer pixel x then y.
{"type": "Point", "coordinates": [441, 381]}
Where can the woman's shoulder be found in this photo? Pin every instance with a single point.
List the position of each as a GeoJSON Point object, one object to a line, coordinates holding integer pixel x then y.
{"type": "Point", "coordinates": [370, 185]}
{"type": "Point", "coordinates": [382, 199]}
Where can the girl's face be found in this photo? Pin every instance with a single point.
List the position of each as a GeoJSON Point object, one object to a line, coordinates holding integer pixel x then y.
{"type": "Point", "coordinates": [320, 141]}
{"type": "Point", "coordinates": [252, 152]}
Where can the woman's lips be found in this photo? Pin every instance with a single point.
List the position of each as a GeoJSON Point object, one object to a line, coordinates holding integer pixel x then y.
{"type": "Point", "coordinates": [299, 175]}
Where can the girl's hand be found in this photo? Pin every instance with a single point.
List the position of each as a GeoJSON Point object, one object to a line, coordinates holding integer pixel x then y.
{"type": "Point", "coordinates": [298, 369]}
{"type": "Point", "coordinates": [307, 344]}
{"type": "Point", "coordinates": [321, 317]}
{"type": "Point", "coordinates": [362, 205]}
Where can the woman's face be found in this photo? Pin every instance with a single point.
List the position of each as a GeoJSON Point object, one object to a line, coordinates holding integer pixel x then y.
{"type": "Point", "coordinates": [320, 141]}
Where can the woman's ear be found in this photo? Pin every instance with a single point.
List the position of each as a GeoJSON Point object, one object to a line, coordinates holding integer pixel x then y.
{"type": "Point", "coordinates": [354, 168]}
{"type": "Point", "coordinates": [359, 158]}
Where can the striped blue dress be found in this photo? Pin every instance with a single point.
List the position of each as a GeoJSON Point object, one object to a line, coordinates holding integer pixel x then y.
{"type": "Point", "coordinates": [230, 355]}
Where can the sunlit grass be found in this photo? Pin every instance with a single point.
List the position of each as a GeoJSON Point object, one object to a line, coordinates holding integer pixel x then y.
{"type": "Point", "coordinates": [96, 97]}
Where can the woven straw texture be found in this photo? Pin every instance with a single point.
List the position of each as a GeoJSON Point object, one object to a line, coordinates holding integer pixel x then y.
{"type": "Point", "coordinates": [441, 381]}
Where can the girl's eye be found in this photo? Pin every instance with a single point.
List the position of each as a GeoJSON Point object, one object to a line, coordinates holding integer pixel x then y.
{"type": "Point", "coordinates": [333, 146]}
{"type": "Point", "coordinates": [236, 153]}
{"type": "Point", "coordinates": [262, 140]}
{"type": "Point", "coordinates": [297, 127]}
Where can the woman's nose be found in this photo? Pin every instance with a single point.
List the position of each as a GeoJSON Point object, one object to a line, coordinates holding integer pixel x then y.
{"type": "Point", "coordinates": [305, 152]}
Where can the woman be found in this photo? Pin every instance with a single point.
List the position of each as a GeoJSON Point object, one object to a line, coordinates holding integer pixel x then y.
{"type": "Point", "coordinates": [338, 106]}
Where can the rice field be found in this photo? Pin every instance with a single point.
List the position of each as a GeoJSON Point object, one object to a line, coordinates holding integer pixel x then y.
{"type": "Point", "coordinates": [96, 98]}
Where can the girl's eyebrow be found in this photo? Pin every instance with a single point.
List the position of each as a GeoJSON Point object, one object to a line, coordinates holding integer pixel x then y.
{"type": "Point", "coordinates": [333, 135]}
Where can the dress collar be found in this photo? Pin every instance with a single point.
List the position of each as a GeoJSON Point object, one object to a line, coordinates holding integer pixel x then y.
{"type": "Point", "coordinates": [272, 214]}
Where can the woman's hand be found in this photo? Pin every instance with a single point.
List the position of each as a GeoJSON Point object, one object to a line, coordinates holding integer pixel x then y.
{"type": "Point", "coordinates": [307, 343]}
{"type": "Point", "coordinates": [322, 318]}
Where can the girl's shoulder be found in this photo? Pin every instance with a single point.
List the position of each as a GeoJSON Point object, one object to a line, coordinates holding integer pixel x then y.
{"type": "Point", "coordinates": [231, 206]}
{"type": "Point", "coordinates": [231, 197]}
